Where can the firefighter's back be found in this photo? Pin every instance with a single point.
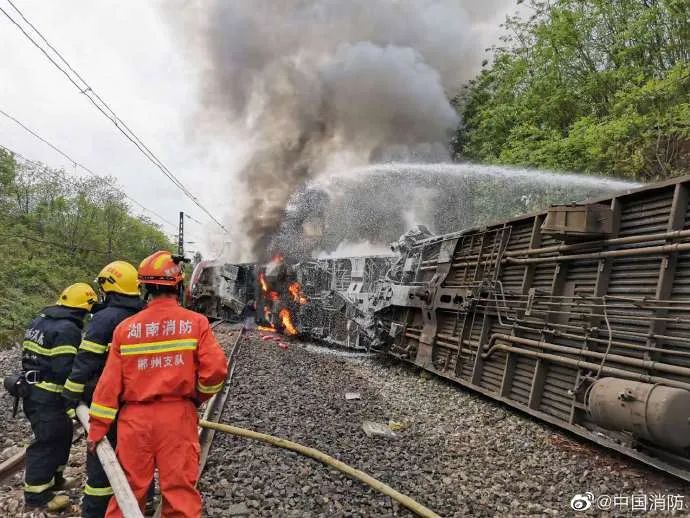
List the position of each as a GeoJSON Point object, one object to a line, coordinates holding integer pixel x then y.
{"type": "Point", "coordinates": [159, 349]}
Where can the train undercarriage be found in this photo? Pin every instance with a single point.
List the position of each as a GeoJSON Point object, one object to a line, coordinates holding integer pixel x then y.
{"type": "Point", "coordinates": [578, 316]}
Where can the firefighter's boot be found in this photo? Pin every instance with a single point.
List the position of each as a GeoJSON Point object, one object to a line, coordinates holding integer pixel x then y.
{"type": "Point", "coordinates": [55, 505]}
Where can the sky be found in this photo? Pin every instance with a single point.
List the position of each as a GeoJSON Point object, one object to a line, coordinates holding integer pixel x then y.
{"type": "Point", "coordinates": [133, 57]}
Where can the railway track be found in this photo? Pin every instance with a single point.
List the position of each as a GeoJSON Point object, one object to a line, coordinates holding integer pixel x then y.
{"type": "Point", "coordinates": [298, 393]}
{"type": "Point", "coordinates": [16, 462]}
{"type": "Point", "coordinates": [12, 465]}
{"type": "Point", "coordinates": [215, 407]}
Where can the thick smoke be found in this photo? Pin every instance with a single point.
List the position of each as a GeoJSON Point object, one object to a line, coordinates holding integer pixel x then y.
{"type": "Point", "coordinates": [313, 83]}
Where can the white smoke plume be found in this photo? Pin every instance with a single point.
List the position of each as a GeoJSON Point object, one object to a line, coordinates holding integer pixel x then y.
{"type": "Point", "coordinates": [310, 83]}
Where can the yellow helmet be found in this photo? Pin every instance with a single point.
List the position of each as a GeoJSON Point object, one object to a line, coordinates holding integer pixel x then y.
{"type": "Point", "coordinates": [119, 277]}
{"type": "Point", "coordinates": [79, 295]}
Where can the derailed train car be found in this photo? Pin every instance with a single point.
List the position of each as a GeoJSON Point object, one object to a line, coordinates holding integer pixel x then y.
{"type": "Point", "coordinates": [579, 316]}
{"type": "Point", "coordinates": [322, 299]}
{"type": "Point", "coordinates": [220, 290]}
{"type": "Point", "coordinates": [340, 292]}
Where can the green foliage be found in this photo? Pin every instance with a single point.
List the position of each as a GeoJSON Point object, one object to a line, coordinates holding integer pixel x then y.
{"type": "Point", "coordinates": [597, 86]}
{"type": "Point", "coordinates": [56, 230]}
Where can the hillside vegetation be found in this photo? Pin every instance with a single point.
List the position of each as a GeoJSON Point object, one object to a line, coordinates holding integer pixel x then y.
{"type": "Point", "coordinates": [600, 86]}
{"type": "Point", "coordinates": [56, 229]}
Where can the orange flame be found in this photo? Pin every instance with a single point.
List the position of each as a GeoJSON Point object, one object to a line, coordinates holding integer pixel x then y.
{"type": "Point", "coordinates": [262, 281]}
{"type": "Point", "coordinates": [266, 328]}
{"type": "Point", "coordinates": [286, 320]}
{"type": "Point", "coordinates": [296, 291]}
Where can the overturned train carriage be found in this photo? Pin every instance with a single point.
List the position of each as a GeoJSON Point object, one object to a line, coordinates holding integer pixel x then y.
{"type": "Point", "coordinates": [579, 316]}
{"type": "Point", "coordinates": [325, 299]}
{"type": "Point", "coordinates": [220, 290]}
{"type": "Point", "coordinates": [340, 292]}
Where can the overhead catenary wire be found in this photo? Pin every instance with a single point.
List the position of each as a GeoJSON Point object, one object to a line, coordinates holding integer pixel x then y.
{"type": "Point", "coordinates": [80, 83]}
{"type": "Point", "coordinates": [75, 164]}
{"type": "Point", "coordinates": [193, 219]}
{"type": "Point", "coordinates": [86, 89]}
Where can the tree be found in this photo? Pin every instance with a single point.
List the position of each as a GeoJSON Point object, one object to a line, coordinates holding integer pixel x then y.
{"type": "Point", "coordinates": [598, 86]}
{"type": "Point", "coordinates": [57, 230]}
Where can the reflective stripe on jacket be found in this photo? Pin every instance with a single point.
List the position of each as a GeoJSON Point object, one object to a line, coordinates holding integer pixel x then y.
{"type": "Point", "coordinates": [49, 347]}
{"type": "Point", "coordinates": [93, 349]}
{"type": "Point", "coordinates": [163, 352]}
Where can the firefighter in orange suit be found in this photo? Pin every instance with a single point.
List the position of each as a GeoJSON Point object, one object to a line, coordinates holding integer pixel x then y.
{"type": "Point", "coordinates": [162, 363]}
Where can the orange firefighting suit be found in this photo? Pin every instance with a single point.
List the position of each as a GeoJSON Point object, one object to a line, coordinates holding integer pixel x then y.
{"type": "Point", "coordinates": [163, 361]}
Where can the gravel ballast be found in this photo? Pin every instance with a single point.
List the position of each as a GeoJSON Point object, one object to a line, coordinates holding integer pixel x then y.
{"type": "Point", "coordinates": [458, 453]}
{"type": "Point", "coordinates": [15, 434]}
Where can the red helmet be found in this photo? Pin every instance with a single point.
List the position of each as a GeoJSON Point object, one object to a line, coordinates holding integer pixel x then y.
{"type": "Point", "coordinates": [161, 268]}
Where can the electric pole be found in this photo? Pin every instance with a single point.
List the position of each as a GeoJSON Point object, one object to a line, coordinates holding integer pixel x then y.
{"type": "Point", "coordinates": [180, 236]}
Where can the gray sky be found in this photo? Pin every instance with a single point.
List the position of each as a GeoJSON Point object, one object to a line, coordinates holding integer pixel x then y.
{"type": "Point", "coordinates": [130, 55]}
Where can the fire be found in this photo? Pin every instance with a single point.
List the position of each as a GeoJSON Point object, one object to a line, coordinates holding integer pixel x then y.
{"type": "Point", "coordinates": [262, 281]}
{"type": "Point", "coordinates": [273, 295]}
{"type": "Point", "coordinates": [286, 320]}
{"type": "Point", "coordinates": [266, 328]}
{"type": "Point", "coordinates": [296, 291]}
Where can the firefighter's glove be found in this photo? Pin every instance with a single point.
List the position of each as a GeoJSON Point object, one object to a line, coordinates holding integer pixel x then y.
{"type": "Point", "coordinates": [91, 447]}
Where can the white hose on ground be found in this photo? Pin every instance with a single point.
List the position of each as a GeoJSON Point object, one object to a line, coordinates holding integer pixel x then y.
{"type": "Point", "coordinates": [118, 481]}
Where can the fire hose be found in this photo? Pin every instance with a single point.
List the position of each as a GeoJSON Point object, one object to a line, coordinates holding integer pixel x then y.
{"type": "Point", "coordinates": [412, 505]}
{"type": "Point", "coordinates": [116, 476]}
{"type": "Point", "coordinates": [129, 506]}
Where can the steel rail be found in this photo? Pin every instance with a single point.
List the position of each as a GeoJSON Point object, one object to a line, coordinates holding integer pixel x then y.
{"type": "Point", "coordinates": [16, 462]}
{"type": "Point", "coordinates": [12, 465]}
{"type": "Point", "coordinates": [216, 405]}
